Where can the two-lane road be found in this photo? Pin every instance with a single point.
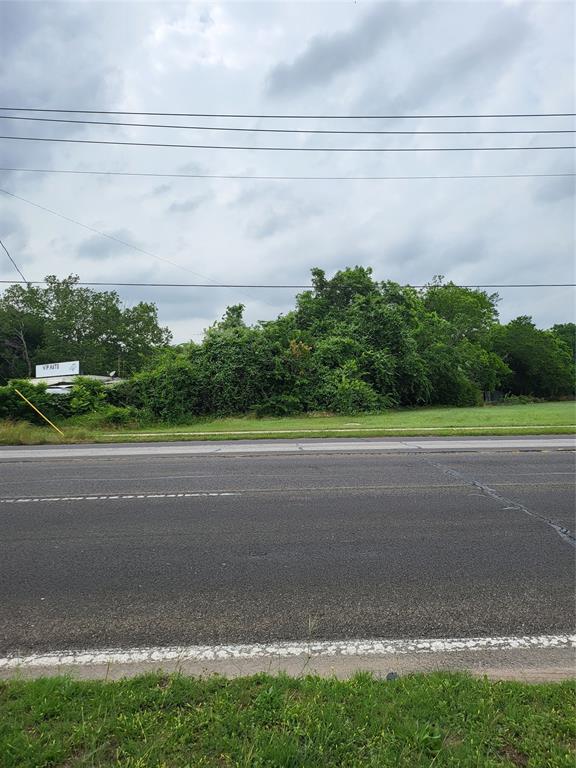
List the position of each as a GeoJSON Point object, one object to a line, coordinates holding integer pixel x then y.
{"type": "Point", "coordinates": [171, 547]}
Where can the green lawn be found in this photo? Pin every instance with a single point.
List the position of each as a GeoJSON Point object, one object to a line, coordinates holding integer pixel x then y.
{"type": "Point", "coordinates": [280, 722]}
{"type": "Point", "coordinates": [533, 418]}
{"type": "Point", "coordinates": [420, 420]}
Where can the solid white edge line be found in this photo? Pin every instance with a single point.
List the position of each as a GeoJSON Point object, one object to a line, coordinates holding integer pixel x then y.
{"type": "Point", "coordinates": [327, 648]}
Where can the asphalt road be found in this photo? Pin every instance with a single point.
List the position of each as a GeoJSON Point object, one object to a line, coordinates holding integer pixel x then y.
{"type": "Point", "coordinates": [283, 546]}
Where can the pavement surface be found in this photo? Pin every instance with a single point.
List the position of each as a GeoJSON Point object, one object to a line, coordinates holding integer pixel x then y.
{"type": "Point", "coordinates": [186, 545]}
{"type": "Point", "coordinates": [309, 445]}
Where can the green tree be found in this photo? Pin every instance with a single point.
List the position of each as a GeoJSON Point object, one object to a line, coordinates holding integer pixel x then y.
{"type": "Point", "coordinates": [351, 344]}
{"type": "Point", "coordinates": [541, 363]}
{"type": "Point", "coordinates": [64, 321]}
{"type": "Point", "coordinates": [471, 313]}
{"type": "Point", "coordinates": [566, 332]}
{"type": "Point", "coordinates": [21, 335]}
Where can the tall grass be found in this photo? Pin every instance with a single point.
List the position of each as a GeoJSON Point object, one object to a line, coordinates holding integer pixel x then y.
{"type": "Point", "coordinates": [24, 433]}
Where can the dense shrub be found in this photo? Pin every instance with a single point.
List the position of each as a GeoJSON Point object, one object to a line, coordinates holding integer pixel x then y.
{"type": "Point", "coordinates": [110, 416]}
{"type": "Point", "coordinates": [86, 396]}
{"type": "Point", "coordinates": [13, 407]}
{"type": "Point", "coordinates": [351, 344]}
{"type": "Point", "coordinates": [171, 392]}
{"type": "Point", "coordinates": [279, 405]}
{"type": "Point", "coordinates": [350, 395]}
{"type": "Point", "coordinates": [519, 400]}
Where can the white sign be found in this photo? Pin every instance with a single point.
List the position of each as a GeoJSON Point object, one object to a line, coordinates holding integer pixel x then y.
{"type": "Point", "coordinates": [58, 369]}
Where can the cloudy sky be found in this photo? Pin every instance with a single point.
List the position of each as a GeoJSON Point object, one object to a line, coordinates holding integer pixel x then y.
{"type": "Point", "coordinates": [345, 58]}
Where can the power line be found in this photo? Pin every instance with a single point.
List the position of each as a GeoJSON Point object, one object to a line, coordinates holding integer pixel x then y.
{"type": "Point", "coordinates": [289, 117]}
{"type": "Point", "coordinates": [275, 285]}
{"type": "Point", "coordinates": [108, 236]}
{"type": "Point", "coordinates": [279, 149]}
{"type": "Point", "coordinates": [102, 234]}
{"type": "Point", "coordinates": [16, 267]}
{"type": "Point", "coordinates": [281, 130]}
{"type": "Point", "coordinates": [284, 178]}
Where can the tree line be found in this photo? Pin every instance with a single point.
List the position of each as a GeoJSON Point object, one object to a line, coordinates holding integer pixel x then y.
{"type": "Point", "coordinates": [64, 321]}
{"type": "Point", "coordinates": [351, 344]}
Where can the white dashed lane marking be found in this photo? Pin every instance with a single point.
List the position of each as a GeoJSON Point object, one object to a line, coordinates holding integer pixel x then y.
{"type": "Point", "coordinates": [380, 488]}
{"type": "Point", "coordinates": [327, 648]}
{"type": "Point", "coordinates": [109, 497]}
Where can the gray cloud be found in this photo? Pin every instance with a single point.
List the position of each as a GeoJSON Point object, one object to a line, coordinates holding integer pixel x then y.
{"type": "Point", "coordinates": [99, 248]}
{"type": "Point", "coordinates": [484, 58]}
{"type": "Point", "coordinates": [13, 235]}
{"type": "Point", "coordinates": [553, 190]}
{"type": "Point", "coordinates": [181, 303]}
{"type": "Point", "coordinates": [464, 250]}
{"type": "Point", "coordinates": [329, 55]}
{"type": "Point", "coordinates": [10, 225]}
{"type": "Point", "coordinates": [50, 56]}
{"type": "Point", "coordinates": [274, 210]}
{"type": "Point", "coordinates": [468, 71]}
{"type": "Point", "coordinates": [410, 250]}
{"type": "Point", "coordinates": [161, 189]}
{"type": "Point", "coordinates": [192, 167]}
{"type": "Point", "coordinates": [274, 221]}
{"type": "Point", "coordinates": [186, 206]}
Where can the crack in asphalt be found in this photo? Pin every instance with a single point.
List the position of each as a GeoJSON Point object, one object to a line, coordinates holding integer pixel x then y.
{"type": "Point", "coordinates": [564, 533]}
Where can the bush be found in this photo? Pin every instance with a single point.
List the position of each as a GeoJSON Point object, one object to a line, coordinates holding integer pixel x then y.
{"type": "Point", "coordinates": [119, 416]}
{"type": "Point", "coordinates": [450, 386]}
{"type": "Point", "coordinates": [461, 392]}
{"type": "Point", "coordinates": [170, 392]}
{"type": "Point", "coordinates": [13, 407]}
{"type": "Point", "coordinates": [59, 403]}
{"type": "Point", "coordinates": [121, 394]}
{"type": "Point", "coordinates": [110, 416]}
{"type": "Point", "coordinates": [86, 396]}
{"type": "Point", "coordinates": [279, 405]}
{"type": "Point", "coordinates": [468, 394]}
{"type": "Point", "coordinates": [520, 400]}
{"type": "Point", "coordinates": [354, 396]}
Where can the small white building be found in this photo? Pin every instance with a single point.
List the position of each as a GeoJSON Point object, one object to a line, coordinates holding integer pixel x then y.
{"type": "Point", "coordinates": [60, 377]}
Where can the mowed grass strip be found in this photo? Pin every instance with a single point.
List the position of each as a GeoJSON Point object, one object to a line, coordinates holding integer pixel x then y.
{"type": "Point", "coordinates": [528, 415]}
{"type": "Point", "coordinates": [532, 418]}
{"type": "Point", "coordinates": [175, 721]}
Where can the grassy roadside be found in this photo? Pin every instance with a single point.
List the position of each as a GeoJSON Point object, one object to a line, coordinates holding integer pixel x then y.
{"type": "Point", "coordinates": [534, 418]}
{"type": "Point", "coordinates": [418, 720]}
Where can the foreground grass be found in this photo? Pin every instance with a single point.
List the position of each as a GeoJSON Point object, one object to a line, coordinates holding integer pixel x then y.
{"type": "Point", "coordinates": [533, 418]}
{"type": "Point", "coordinates": [439, 720]}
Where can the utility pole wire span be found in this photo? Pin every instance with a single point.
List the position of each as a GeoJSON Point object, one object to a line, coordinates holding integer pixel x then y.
{"type": "Point", "coordinates": [286, 178]}
{"type": "Point", "coordinates": [16, 267]}
{"type": "Point", "coordinates": [299, 287]}
{"type": "Point", "coordinates": [283, 149]}
{"type": "Point", "coordinates": [235, 129]}
{"type": "Point", "coordinates": [290, 117]}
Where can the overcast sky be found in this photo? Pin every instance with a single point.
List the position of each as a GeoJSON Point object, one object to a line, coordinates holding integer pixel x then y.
{"type": "Point", "coordinates": [291, 58]}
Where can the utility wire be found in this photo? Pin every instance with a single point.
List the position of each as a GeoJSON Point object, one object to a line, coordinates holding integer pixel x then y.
{"type": "Point", "coordinates": [279, 130]}
{"type": "Point", "coordinates": [109, 237]}
{"type": "Point", "coordinates": [279, 149]}
{"type": "Point", "coordinates": [304, 287]}
{"type": "Point", "coordinates": [102, 234]}
{"type": "Point", "coordinates": [288, 117]}
{"type": "Point", "coordinates": [16, 267]}
{"type": "Point", "coordinates": [284, 178]}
